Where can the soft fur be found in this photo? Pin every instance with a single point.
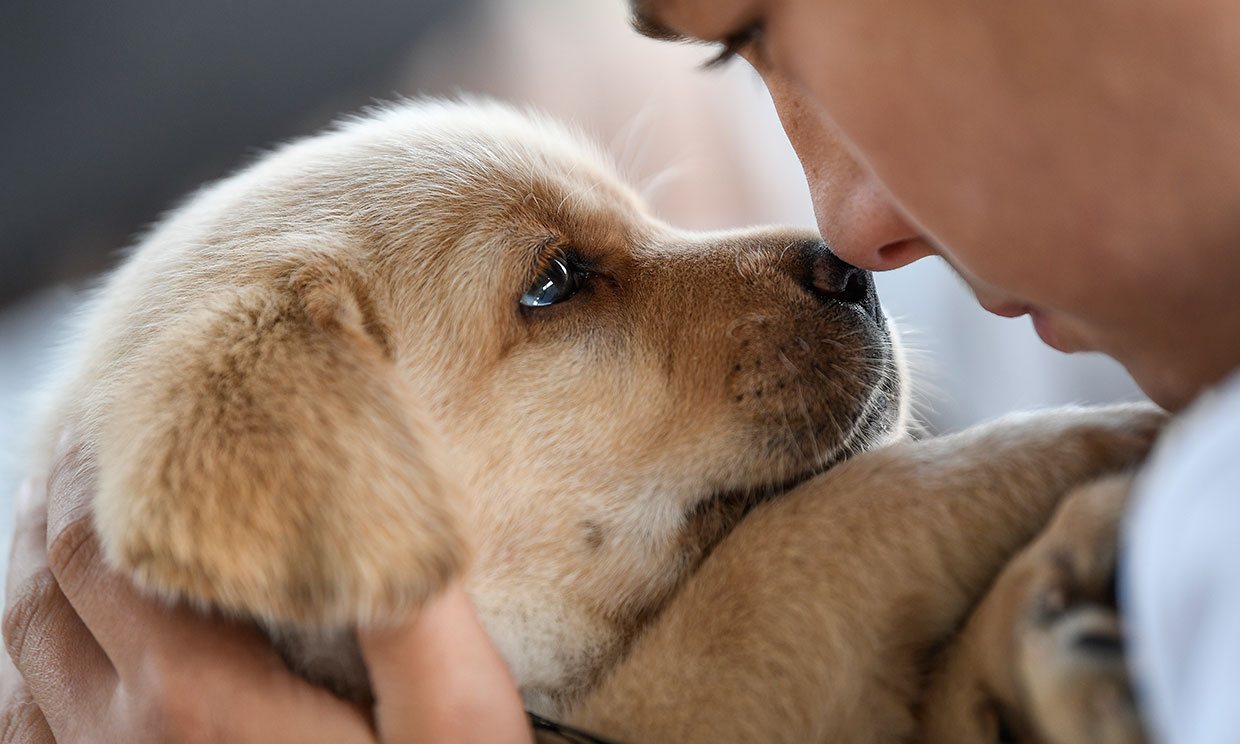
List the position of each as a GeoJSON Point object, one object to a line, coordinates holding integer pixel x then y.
{"type": "Point", "coordinates": [1040, 659]}
{"type": "Point", "coordinates": [312, 396]}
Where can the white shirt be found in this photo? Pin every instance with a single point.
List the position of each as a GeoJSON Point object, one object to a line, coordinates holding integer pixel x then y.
{"type": "Point", "coordinates": [1180, 576]}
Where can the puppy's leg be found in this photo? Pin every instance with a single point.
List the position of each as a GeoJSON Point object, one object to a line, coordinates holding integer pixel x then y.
{"type": "Point", "coordinates": [1042, 656]}
{"type": "Point", "coordinates": [263, 456]}
{"type": "Point", "coordinates": [1040, 659]}
{"type": "Point", "coordinates": [812, 620]}
{"type": "Point", "coordinates": [1070, 645]}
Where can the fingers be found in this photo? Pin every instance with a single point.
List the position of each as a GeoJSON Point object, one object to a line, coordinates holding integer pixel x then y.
{"type": "Point", "coordinates": [210, 698]}
{"type": "Point", "coordinates": [46, 640]}
{"type": "Point", "coordinates": [71, 485]}
{"type": "Point", "coordinates": [106, 601]}
{"type": "Point", "coordinates": [21, 721]}
{"type": "Point", "coordinates": [439, 678]}
{"type": "Point", "coordinates": [28, 553]}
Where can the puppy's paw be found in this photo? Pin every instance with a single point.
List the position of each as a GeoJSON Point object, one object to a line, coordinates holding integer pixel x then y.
{"type": "Point", "coordinates": [1070, 648]}
{"type": "Point", "coordinates": [265, 458]}
{"type": "Point", "coordinates": [1041, 657]}
{"type": "Point", "coordinates": [1076, 683]}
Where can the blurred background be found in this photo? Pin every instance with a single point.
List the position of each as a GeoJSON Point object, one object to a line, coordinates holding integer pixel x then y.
{"type": "Point", "coordinates": [115, 111]}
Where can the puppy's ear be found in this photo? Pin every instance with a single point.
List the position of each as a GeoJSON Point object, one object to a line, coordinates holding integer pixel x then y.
{"type": "Point", "coordinates": [264, 456]}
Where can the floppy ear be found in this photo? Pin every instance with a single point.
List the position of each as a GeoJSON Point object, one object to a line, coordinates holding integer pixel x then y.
{"type": "Point", "coordinates": [264, 457]}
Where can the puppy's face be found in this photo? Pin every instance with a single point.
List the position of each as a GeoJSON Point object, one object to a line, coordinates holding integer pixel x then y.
{"type": "Point", "coordinates": [615, 393]}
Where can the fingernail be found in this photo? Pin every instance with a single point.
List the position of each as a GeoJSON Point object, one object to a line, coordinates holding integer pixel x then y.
{"type": "Point", "coordinates": [66, 442]}
{"type": "Point", "coordinates": [31, 494]}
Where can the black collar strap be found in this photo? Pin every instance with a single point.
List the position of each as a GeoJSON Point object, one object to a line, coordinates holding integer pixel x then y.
{"type": "Point", "coordinates": [550, 732]}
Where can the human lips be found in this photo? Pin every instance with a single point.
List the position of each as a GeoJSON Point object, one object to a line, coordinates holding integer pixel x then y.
{"type": "Point", "coordinates": [1042, 322]}
{"type": "Point", "coordinates": [1007, 309]}
{"type": "Point", "coordinates": [1046, 331]}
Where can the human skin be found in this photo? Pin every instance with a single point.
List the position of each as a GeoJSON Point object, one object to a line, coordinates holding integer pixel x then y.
{"type": "Point", "coordinates": [1076, 161]}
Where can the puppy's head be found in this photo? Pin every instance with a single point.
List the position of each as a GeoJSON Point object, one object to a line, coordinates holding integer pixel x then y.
{"type": "Point", "coordinates": [615, 393]}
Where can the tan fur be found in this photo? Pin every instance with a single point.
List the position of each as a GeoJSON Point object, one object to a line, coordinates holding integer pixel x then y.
{"type": "Point", "coordinates": [313, 392]}
{"type": "Point", "coordinates": [816, 619]}
{"type": "Point", "coordinates": [1041, 655]}
{"type": "Point", "coordinates": [312, 397]}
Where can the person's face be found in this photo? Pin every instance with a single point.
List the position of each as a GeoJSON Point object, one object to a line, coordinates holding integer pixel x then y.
{"type": "Point", "coordinates": [1070, 159]}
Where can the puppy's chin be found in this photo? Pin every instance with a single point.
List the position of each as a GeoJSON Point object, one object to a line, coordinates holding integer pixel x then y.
{"type": "Point", "coordinates": [796, 456]}
{"type": "Point", "coordinates": [875, 416]}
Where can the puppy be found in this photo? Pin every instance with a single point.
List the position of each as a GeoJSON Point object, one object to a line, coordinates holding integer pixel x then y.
{"type": "Point", "coordinates": [444, 338]}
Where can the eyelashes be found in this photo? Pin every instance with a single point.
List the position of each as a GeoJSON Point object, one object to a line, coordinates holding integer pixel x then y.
{"type": "Point", "coordinates": [734, 44]}
{"type": "Point", "coordinates": [564, 274]}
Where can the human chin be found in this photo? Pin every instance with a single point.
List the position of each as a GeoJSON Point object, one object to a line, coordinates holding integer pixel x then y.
{"type": "Point", "coordinates": [1164, 388]}
{"type": "Point", "coordinates": [1056, 332]}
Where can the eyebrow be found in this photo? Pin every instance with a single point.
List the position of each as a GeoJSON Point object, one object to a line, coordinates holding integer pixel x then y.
{"type": "Point", "coordinates": [644, 23]}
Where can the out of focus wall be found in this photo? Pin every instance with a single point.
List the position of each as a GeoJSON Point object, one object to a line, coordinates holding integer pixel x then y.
{"type": "Point", "coordinates": [113, 110]}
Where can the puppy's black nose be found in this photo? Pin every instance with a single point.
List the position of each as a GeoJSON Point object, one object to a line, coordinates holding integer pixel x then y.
{"type": "Point", "coordinates": [829, 278]}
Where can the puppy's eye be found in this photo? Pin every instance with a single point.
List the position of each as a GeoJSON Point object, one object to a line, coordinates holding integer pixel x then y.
{"type": "Point", "coordinates": [559, 281]}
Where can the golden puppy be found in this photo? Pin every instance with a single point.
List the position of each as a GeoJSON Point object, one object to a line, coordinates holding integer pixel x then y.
{"type": "Point", "coordinates": [445, 338]}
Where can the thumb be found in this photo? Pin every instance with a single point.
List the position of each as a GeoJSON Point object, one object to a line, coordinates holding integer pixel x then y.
{"type": "Point", "coordinates": [438, 678]}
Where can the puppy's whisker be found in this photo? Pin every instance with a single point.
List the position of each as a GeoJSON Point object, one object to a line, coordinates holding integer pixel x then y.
{"type": "Point", "coordinates": [634, 134]}
{"type": "Point", "coordinates": [788, 363]}
{"type": "Point", "coordinates": [810, 427]}
{"type": "Point", "coordinates": [664, 176]}
{"type": "Point", "coordinates": [577, 195]}
{"type": "Point", "coordinates": [791, 434]}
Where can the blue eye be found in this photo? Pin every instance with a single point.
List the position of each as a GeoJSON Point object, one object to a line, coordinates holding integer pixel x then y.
{"type": "Point", "coordinates": [557, 283]}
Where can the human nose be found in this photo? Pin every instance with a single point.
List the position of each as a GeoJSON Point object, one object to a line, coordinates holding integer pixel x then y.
{"type": "Point", "coordinates": [862, 225]}
{"type": "Point", "coordinates": [856, 216]}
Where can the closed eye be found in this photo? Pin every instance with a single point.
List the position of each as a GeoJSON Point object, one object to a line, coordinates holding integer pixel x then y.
{"type": "Point", "coordinates": [734, 45]}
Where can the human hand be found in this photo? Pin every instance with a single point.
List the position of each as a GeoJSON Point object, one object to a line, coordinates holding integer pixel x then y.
{"type": "Point", "coordinates": [100, 662]}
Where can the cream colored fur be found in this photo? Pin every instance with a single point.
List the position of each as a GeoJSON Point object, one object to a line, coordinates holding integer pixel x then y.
{"type": "Point", "coordinates": [312, 396]}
